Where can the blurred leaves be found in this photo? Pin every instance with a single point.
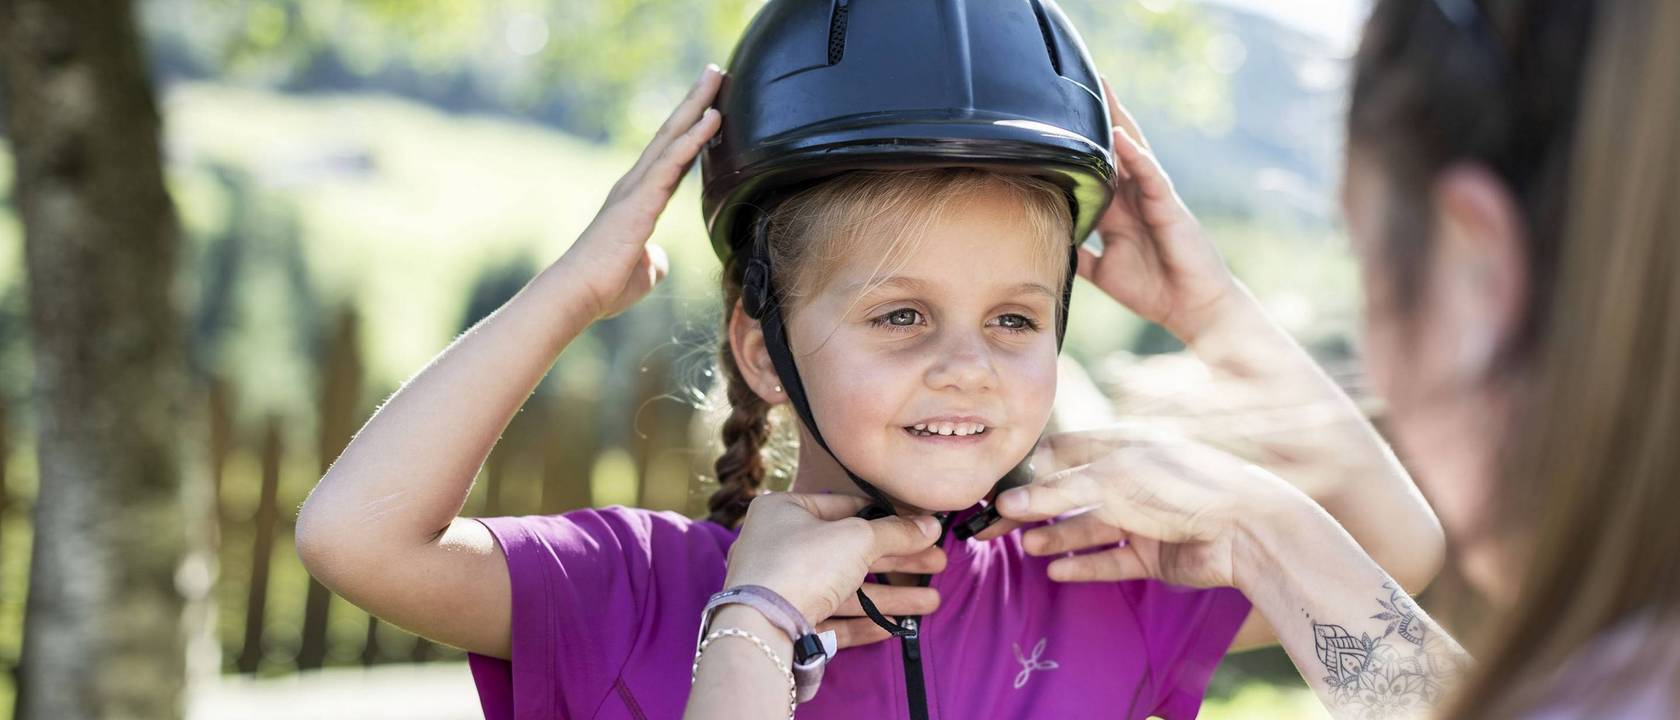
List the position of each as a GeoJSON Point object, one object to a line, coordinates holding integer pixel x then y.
{"type": "Point", "coordinates": [604, 69]}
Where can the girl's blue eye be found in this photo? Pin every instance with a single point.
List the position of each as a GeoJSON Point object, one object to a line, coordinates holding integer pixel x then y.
{"type": "Point", "coordinates": [1015, 322]}
{"type": "Point", "coordinates": [900, 318]}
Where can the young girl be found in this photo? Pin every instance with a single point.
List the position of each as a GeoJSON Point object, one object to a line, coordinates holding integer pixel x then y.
{"type": "Point", "coordinates": [911, 316]}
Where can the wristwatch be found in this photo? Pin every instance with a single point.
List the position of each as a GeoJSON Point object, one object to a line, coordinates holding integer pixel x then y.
{"type": "Point", "coordinates": [811, 650]}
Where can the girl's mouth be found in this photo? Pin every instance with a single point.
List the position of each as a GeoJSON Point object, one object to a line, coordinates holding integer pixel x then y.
{"type": "Point", "coordinates": [947, 431]}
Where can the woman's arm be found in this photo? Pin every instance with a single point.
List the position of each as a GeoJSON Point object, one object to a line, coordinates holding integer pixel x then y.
{"type": "Point", "coordinates": [1358, 639]}
{"type": "Point", "coordinates": [381, 527]}
{"type": "Point", "coordinates": [1276, 406]}
{"type": "Point", "coordinates": [1297, 422]}
{"type": "Point", "coordinates": [1194, 515]}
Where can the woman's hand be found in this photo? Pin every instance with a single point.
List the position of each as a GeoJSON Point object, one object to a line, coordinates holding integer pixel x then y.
{"type": "Point", "coordinates": [1172, 510]}
{"type": "Point", "coordinates": [1155, 260]}
{"type": "Point", "coordinates": [813, 551]}
{"type": "Point", "coordinates": [613, 260]}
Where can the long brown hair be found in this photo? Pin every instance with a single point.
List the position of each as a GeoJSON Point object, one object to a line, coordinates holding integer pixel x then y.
{"type": "Point", "coordinates": [808, 235]}
{"type": "Point", "coordinates": [1576, 106]}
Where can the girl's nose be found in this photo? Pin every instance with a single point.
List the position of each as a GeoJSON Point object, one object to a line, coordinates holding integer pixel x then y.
{"type": "Point", "coordinates": [962, 363]}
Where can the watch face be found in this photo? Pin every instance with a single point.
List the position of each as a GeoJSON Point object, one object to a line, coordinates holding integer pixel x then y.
{"type": "Point", "coordinates": [808, 648]}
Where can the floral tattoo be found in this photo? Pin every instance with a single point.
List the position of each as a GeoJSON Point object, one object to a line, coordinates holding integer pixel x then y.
{"type": "Point", "coordinates": [1382, 677]}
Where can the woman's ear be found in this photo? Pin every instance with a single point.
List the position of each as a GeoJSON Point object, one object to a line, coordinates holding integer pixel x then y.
{"type": "Point", "coordinates": [746, 343]}
{"type": "Point", "coordinates": [1478, 284]}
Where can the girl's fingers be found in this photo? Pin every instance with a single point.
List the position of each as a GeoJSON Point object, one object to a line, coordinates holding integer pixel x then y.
{"type": "Point", "coordinates": [824, 506]}
{"type": "Point", "coordinates": [1120, 563]}
{"type": "Point", "coordinates": [852, 632]}
{"type": "Point", "coordinates": [897, 536]}
{"type": "Point", "coordinates": [1081, 532]}
{"type": "Point", "coordinates": [926, 561]}
{"type": "Point", "coordinates": [686, 114]}
{"type": "Point", "coordinates": [891, 600]}
{"type": "Point", "coordinates": [674, 161]}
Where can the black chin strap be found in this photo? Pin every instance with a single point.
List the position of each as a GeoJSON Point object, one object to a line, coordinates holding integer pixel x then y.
{"type": "Point", "coordinates": [759, 300]}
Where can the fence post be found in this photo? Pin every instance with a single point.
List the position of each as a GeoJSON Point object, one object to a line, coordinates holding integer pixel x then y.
{"type": "Point", "coordinates": [659, 438]}
{"type": "Point", "coordinates": [262, 548]}
{"type": "Point", "coordinates": [340, 410]}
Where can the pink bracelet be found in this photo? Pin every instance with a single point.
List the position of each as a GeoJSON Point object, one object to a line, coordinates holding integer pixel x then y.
{"type": "Point", "coordinates": [811, 650]}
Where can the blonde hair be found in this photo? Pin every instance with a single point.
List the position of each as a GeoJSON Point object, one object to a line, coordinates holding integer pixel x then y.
{"type": "Point", "coordinates": [812, 232]}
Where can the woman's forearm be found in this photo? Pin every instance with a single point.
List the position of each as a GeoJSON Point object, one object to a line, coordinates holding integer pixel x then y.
{"type": "Point", "coordinates": [408, 471]}
{"type": "Point", "coordinates": [1358, 639]}
{"type": "Point", "coordinates": [1294, 419]}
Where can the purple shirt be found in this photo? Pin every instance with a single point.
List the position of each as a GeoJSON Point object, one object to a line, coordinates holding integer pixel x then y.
{"type": "Point", "coordinates": [606, 606]}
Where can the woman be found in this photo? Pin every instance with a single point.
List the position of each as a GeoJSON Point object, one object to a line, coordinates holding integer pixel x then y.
{"type": "Point", "coordinates": [1513, 192]}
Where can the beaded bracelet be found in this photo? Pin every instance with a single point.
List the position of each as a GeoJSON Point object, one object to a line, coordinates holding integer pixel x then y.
{"type": "Point", "coordinates": [787, 672]}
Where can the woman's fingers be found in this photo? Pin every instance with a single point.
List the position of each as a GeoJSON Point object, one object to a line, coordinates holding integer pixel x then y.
{"type": "Point", "coordinates": [1081, 532]}
{"type": "Point", "coordinates": [852, 632]}
{"type": "Point", "coordinates": [926, 561]}
{"type": "Point", "coordinates": [1056, 495]}
{"type": "Point", "coordinates": [1144, 171]}
{"type": "Point", "coordinates": [997, 530]}
{"type": "Point", "coordinates": [1121, 563]}
{"type": "Point", "coordinates": [892, 600]}
{"type": "Point", "coordinates": [1120, 117]}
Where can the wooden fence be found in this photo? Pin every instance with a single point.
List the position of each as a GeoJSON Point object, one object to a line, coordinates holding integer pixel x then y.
{"type": "Point", "coordinates": [272, 617]}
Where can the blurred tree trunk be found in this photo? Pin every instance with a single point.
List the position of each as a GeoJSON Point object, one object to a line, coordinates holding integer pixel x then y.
{"type": "Point", "coordinates": [119, 569]}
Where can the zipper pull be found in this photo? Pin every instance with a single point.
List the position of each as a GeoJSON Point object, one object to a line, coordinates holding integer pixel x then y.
{"type": "Point", "coordinates": [912, 641]}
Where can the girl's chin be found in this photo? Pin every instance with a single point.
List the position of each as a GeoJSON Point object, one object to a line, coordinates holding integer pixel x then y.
{"type": "Point", "coordinates": [947, 498]}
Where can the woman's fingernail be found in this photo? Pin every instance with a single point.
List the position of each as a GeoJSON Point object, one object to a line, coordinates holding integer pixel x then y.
{"type": "Point", "coordinates": [1011, 501]}
{"type": "Point", "coordinates": [708, 70]}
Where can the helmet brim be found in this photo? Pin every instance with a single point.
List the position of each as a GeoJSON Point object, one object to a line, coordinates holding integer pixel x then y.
{"type": "Point", "coordinates": [1084, 170]}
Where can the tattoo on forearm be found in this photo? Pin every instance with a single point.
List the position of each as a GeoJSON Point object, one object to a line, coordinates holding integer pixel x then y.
{"type": "Point", "coordinates": [1401, 673]}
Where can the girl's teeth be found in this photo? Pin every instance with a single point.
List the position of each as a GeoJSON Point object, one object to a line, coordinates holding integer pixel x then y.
{"type": "Point", "coordinates": [922, 426]}
{"type": "Point", "coordinates": [945, 429]}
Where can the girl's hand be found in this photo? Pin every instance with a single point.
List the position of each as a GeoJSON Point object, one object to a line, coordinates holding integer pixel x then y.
{"type": "Point", "coordinates": [1167, 509]}
{"type": "Point", "coordinates": [814, 552]}
{"type": "Point", "coordinates": [1156, 261]}
{"type": "Point", "coordinates": [613, 260]}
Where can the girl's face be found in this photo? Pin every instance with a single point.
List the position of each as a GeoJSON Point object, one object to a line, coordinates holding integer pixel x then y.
{"type": "Point", "coordinates": [931, 373]}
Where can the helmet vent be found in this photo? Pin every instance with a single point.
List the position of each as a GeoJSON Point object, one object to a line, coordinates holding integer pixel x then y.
{"type": "Point", "coordinates": [837, 32]}
{"type": "Point", "coordinates": [1043, 27]}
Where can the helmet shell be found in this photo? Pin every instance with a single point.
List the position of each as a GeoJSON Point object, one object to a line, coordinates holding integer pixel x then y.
{"type": "Point", "coordinates": [820, 87]}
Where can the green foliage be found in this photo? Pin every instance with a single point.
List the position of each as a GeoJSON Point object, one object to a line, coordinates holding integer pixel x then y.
{"type": "Point", "coordinates": [604, 69]}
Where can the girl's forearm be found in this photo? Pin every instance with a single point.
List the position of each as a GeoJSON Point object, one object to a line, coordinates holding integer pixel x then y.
{"type": "Point", "coordinates": [1357, 638]}
{"type": "Point", "coordinates": [1321, 440]}
{"type": "Point", "coordinates": [407, 473]}
{"type": "Point", "coordinates": [736, 678]}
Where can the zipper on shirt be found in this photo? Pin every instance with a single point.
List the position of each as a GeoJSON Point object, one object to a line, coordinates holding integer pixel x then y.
{"type": "Point", "coordinates": [915, 686]}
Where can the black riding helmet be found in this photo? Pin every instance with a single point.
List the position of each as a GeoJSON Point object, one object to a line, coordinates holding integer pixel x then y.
{"type": "Point", "coordinates": [816, 88]}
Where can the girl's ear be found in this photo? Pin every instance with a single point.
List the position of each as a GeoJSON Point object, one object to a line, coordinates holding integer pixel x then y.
{"type": "Point", "coordinates": [752, 357]}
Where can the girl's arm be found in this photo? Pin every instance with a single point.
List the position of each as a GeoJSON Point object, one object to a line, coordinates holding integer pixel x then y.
{"type": "Point", "coordinates": [382, 527]}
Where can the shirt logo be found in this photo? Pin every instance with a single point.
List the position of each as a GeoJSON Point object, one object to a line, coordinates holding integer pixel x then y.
{"type": "Point", "coordinates": [1029, 664]}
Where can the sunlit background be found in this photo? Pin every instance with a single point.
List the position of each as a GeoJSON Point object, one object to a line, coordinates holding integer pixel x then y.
{"type": "Point", "coordinates": [360, 180]}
